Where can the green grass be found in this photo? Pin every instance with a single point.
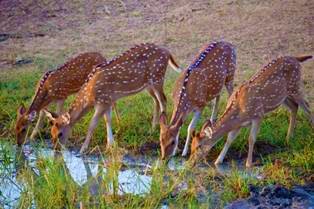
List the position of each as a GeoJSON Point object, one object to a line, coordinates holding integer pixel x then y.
{"type": "Point", "coordinates": [286, 164]}
{"type": "Point", "coordinates": [55, 188]}
{"type": "Point", "coordinates": [77, 26]}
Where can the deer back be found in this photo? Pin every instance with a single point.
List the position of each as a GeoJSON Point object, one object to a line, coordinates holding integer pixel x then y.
{"type": "Point", "coordinates": [264, 92]}
{"type": "Point", "coordinates": [204, 78]}
{"type": "Point", "coordinates": [140, 67]}
{"type": "Point", "coordinates": [64, 81]}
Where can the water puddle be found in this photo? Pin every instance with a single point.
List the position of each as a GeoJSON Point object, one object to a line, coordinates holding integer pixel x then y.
{"type": "Point", "coordinates": [131, 180]}
{"type": "Point", "coordinates": [133, 177]}
{"type": "Point", "coordinates": [226, 169]}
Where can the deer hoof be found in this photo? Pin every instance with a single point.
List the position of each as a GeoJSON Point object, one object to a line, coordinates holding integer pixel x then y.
{"type": "Point", "coordinates": [108, 148]}
{"type": "Point", "coordinates": [33, 135]}
{"type": "Point", "coordinates": [218, 162]}
{"type": "Point", "coordinates": [83, 149]}
{"type": "Point", "coordinates": [184, 153]}
{"type": "Point", "coordinates": [248, 165]}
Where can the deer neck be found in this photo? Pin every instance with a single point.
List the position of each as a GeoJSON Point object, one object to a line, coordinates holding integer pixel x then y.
{"type": "Point", "coordinates": [179, 112]}
{"type": "Point", "coordinates": [183, 106]}
{"type": "Point", "coordinates": [39, 101]}
{"type": "Point", "coordinates": [79, 107]}
{"type": "Point", "coordinates": [230, 120]}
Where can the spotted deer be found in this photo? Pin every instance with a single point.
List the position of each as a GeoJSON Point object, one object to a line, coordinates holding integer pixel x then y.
{"type": "Point", "coordinates": [54, 87]}
{"type": "Point", "coordinates": [200, 83]}
{"type": "Point", "coordinates": [278, 83]}
{"type": "Point", "coordinates": [141, 67]}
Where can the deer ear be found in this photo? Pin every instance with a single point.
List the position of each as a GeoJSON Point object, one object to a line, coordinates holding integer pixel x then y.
{"type": "Point", "coordinates": [32, 116]}
{"type": "Point", "coordinates": [208, 132]}
{"type": "Point", "coordinates": [178, 123]}
{"type": "Point", "coordinates": [193, 133]}
{"type": "Point", "coordinates": [51, 116]}
{"type": "Point", "coordinates": [21, 110]}
{"type": "Point", "coordinates": [207, 123]}
{"type": "Point", "coordinates": [66, 118]}
{"type": "Point", "coordinates": [163, 119]}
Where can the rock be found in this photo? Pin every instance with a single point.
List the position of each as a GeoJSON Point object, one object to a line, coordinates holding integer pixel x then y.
{"type": "Point", "coordinates": [4, 36]}
{"type": "Point", "coordinates": [253, 200]}
{"type": "Point", "coordinates": [253, 190]}
{"type": "Point", "coordinates": [276, 196]}
{"type": "Point", "coordinates": [302, 193]}
{"type": "Point", "coordinates": [23, 61]}
{"type": "Point", "coordinates": [281, 192]}
{"type": "Point", "coordinates": [239, 204]}
{"type": "Point", "coordinates": [266, 191]}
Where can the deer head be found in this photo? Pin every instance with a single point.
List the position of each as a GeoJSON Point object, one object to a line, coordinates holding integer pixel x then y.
{"type": "Point", "coordinates": [168, 135]}
{"type": "Point", "coordinates": [198, 150]}
{"type": "Point", "coordinates": [60, 126]}
{"type": "Point", "coordinates": [23, 120]}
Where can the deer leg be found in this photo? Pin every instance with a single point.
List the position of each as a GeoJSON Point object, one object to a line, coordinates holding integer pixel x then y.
{"type": "Point", "coordinates": [293, 109]}
{"type": "Point", "coordinates": [108, 118]}
{"type": "Point", "coordinates": [306, 108]}
{"type": "Point", "coordinates": [196, 117]}
{"type": "Point", "coordinates": [231, 137]}
{"type": "Point", "coordinates": [39, 124]}
{"type": "Point", "coordinates": [99, 110]}
{"type": "Point", "coordinates": [160, 95]}
{"type": "Point", "coordinates": [252, 138]}
{"type": "Point", "coordinates": [87, 168]}
{"type": "Point", "coordinates": [229, 87]}
{"type": "Point", "coordinates": [156, 108]}
{"type": "Point", "coordinates": [177, 142]}
{"type": "Point", "coordinates": [59, 110]}
{"type": "Point", "coordinates": [60, 104]}
{"type": "Point", "coordinates": [215, 109]}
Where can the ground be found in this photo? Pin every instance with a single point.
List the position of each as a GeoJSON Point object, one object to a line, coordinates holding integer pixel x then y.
{"type": "Point", "coordinates": [36, 36]}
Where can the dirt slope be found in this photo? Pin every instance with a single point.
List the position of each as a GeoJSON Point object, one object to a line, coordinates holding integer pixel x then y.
{"type": "Point", "coordinates": [261, 30]}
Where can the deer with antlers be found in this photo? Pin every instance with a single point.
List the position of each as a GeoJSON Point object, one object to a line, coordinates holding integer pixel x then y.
{"type": "Point", "coordinates": [55, 87]}
{"type": "Point", "coordinates": [278, 83]}
{"type": "Point", "coordinates": [200, 83]}
{"type": "Point", "coordinates": [139, 68]}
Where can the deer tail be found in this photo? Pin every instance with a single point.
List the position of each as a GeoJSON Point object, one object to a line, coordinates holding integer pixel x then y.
{"type": "Point", "coordinates": [173, 64]}
{"type": "Point", "coordinates": [304, 58]}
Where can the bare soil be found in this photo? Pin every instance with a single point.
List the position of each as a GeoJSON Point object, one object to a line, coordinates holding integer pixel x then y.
{"type": "Point", "coordinates": [57, 30]}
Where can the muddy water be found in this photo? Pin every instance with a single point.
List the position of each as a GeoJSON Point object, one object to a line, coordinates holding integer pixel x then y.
{"type": "Point", "coordinates": [133, 177]}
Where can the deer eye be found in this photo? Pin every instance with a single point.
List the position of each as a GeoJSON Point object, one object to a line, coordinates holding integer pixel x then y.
{"type": "Point", "coordinates": [23, 130]}
{"type": "Point", "coordinates": [173, 142]}
{"type": "Point", "coordinates": [60, 135]}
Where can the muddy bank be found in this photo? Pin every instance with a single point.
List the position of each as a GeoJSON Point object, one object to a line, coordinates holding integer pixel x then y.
{"type": "Point", "coordinates": [277, 196]}
{"type": "Point", "coordinates": [134, 176]}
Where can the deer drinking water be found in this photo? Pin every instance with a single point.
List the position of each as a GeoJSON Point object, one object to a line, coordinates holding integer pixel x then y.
{"type": "Point", "coordinates": [203, 81]}
{"type": "Point", "coordinates": [55, 86]}
{"type": "Point", "coordinates": [141, 67]}
{"type": "Point", "coordinates": [278, 83]}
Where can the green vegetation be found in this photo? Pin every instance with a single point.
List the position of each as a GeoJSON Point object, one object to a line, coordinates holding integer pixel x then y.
{"type": "Point", "coordinates": [261, 31]}
{"type": "Point", "coordinates": [284, 164]}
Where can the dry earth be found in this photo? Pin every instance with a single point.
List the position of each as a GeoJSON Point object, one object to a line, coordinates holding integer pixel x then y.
{"type": "Point", "coordinates": [53, 31]}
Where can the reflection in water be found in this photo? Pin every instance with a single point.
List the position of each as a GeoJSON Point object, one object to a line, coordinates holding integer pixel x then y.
{"type": "Point", "coordinates": [226, 169]}
{"type": "Point", "coordinates": [80, 169]}
{"type": "Point", "coordinates": [91, 171]}
{"type": "Point", "coordinates": [176, 164]}
{"type": "Point", "coordinates": [9, 187]}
